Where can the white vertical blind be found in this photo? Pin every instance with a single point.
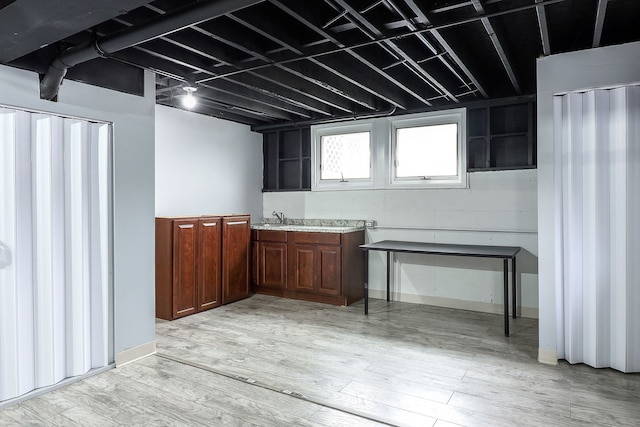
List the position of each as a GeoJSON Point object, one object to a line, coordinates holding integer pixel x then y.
{"type": "Point", "coordinates": [599, 241]}
{"type": "Point", "coordinates": [54, 249]}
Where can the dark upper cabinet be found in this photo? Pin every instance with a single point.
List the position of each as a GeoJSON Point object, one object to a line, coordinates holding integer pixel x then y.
{"type": "Point", "coordinates": [501, 136]}
{"type": "Point", "coordinates": [287, 160]}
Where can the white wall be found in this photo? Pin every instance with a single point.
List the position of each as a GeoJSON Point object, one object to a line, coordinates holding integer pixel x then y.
{"type": "Point", "coordinates": [608, 66]}
{"type": "Point", "coordinates": [206, 165]}
{"type": "Point", "coordinates": [498, 208]}
{"type": "Point", "coordinates": [133, 190]}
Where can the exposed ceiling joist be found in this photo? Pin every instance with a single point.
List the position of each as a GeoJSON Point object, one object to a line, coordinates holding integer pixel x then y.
{"type": "Point", "coordinates": [422, 17]}
{"type": "Point", "coordinates": [544, 28]}
{"type": "Point", "coordinates": [497, 45]}
{"type": "Point", "coordinates": [406, 58]}
{"type": "Point", "coordinates": [275, 63]}
{"type": "Point", "coordinates": [423, 39]}
{"type": "Point", "coordinates": [338, 77]}
{"type": "Point", "coordinates": [165, 25]}
{"type": "Point", "coordinates": [322, 95]}
{"type": "Point", "coordinates": [600, 15]}
{"type": "Point", "coordinates": [350, 51]}
{"type": "Point", "coordinates": [325, 81]}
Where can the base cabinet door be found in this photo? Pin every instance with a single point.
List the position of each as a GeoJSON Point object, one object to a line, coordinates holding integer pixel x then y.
{"type": "Point", "coordinates": [270, 262]}
{"type": "Point", "coordinates": [236, 242]}
{"type": "Point", "coordinates": [209, 274]}
{"type": "Point", "coordinates": [272, 265]}
{"type": "Point", "coordinates": [303, 266]}
{"type": "Point", "coordinates": [185, 259]}
{"type": "Point", "coordinates": [255, 260]}
{"type": "Point", "coordinates": [329, 267]}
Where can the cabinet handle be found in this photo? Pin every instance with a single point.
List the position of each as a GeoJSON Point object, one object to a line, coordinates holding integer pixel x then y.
{"type": "Point", "coordinates": [185, 226]}
{"type": "Point", "coordinates": [209, 224]}
{"type": "Point", "coordinates": [236, 222]}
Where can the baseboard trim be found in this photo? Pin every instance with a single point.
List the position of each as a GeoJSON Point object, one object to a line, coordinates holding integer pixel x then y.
{"type": "Point", "coordinates": [547, 356]}
{"type": "Point", "coordinates": [482, 307]}
{"type": "Point", "coordinates": [135, 353]}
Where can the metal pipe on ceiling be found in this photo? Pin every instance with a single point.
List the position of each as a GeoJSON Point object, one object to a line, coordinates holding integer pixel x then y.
{"type": "Point", "coordinates": [264, 128]}
{"type": "Point", "coordinates": [162, 26]}
{"type": "Point", "coordinates": [387, 113]}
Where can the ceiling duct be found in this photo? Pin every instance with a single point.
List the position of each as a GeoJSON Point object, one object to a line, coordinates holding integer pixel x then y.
{"type": "Point", "coordinates": [166, 24]}
{"type": "Point", "coordinates": [5, 3]}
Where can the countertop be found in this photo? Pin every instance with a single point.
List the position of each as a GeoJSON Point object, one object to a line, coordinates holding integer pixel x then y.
{"type": "Point", "coordinates": [311, 225]}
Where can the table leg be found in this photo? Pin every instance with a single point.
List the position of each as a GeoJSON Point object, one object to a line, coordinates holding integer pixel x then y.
{"type": "Point", "coordinates": [366, 282]}
{"type": "Point", "coordinates": [513, 285]}
{"type": "Point", "coordinates": [388, 274]}
{"type": "Point", "coordinates": [505, 267]}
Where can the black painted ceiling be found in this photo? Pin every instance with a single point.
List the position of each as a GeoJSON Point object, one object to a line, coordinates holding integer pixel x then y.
{"type": "Point", "coordinates": [275, 62]}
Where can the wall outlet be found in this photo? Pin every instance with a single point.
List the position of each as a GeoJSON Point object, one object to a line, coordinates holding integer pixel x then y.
{"type": "Point", "coordinates": [370, 223]}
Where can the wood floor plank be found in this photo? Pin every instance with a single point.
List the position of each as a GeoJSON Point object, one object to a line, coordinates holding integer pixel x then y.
{"type": "Point", "coordinates": [604, 416]}
{"type": "Point", "coordinates": [403, 364]}
{"type": "Point", "coordinates": [400, 400]}
{"type": "Point", "coordinates": [514, 410]}
{"type": "Point", "coordinates": [316, 393]}
{"type": "Point", "coordinates": [442, 423]}
{"type": "Point", "coordinates": [231, 395]}
{"type": "Point", "coordinates": [332, 418]}
{"type": "Point", "coordinates": [20, 415]}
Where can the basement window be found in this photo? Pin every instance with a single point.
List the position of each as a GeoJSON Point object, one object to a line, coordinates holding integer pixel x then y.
{"type": "Point", "coordinates": [342, 156]}
{"type": "Point", "coordinates": [428, 150]}
{"type": "Point", "coordinates": [425, 150]}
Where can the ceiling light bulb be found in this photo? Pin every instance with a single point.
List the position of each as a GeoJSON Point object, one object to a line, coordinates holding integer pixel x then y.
{"type": "Point", "coordinates": [189, 101]}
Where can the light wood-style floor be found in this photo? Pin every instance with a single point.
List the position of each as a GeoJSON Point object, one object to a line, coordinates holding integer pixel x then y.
{"type": "Point", "coordinates": [268, 361]}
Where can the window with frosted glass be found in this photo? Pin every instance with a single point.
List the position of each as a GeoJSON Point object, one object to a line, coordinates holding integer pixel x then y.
{"type": "Point", "coordinates": [345, 156]}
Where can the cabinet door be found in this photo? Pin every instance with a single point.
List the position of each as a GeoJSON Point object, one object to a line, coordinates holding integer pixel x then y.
{"type": "Point", "coordinates": [185, 241]}
{"type": "Point", "coordinates": [273, 265]}
{"type": "Point", "coordinates": [303, 267]}
{"type": "Point", "coordinates": [236, 239]}
{"type": "Point", "coordinates": [329, 270]}
{"type": "Point", "coordinates": [209, 263]}
{"type": "Point", "coordinates": [255, 262]}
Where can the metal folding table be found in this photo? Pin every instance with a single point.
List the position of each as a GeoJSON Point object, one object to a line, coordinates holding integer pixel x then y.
{"type": "Point", "coordinates": [505, 253]}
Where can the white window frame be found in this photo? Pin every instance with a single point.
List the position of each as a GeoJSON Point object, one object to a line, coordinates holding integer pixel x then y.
{"type": "Point", "coordinates": [382, 152]}
{"type": "Point", "coordinates": [457, 116]}
{"type": "Point", "coordinates": [317, 132]}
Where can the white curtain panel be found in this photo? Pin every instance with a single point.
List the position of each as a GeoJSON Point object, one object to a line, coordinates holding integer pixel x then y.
{"type": "Point", "coordinates": [597, 170]}
{"type": "Point", "coordinates": [54, 249]}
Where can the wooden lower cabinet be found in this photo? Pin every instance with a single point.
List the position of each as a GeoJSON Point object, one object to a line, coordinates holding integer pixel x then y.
{"type": "Point", "coordinates": [303, 271]}
{"type": "Point", "coordinates": [201, 263]}
{"type": "Point", "coordinates": [329, 265]}
{"type": "Point", "coordinates": [274, 272]}
{"type": "Point", "coordinates": [321, 267]}
{"type": "Point", "coordinates": [209, 268]}
{"type": "Point", "coordinates": [236, 238]}
{"type": "Point", "coordinates": [269, 260]}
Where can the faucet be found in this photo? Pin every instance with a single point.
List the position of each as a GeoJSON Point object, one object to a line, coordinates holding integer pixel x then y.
{"type": "Point", "coordinates": [279, 215]}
